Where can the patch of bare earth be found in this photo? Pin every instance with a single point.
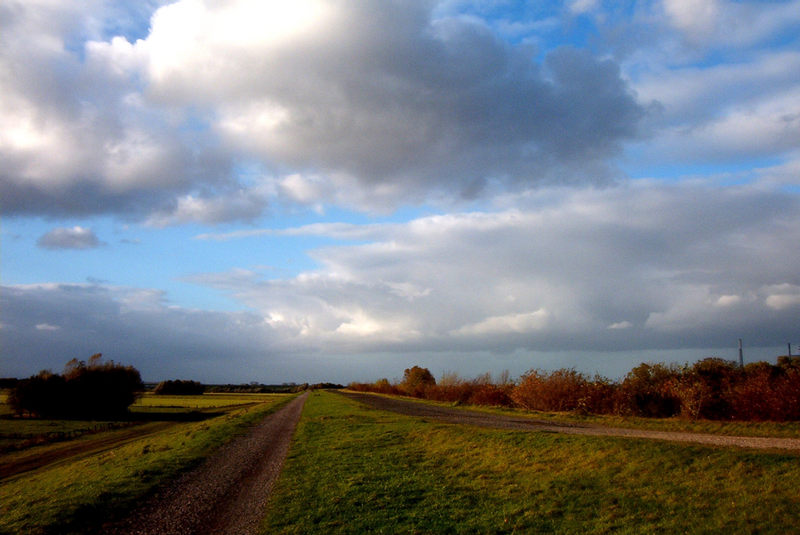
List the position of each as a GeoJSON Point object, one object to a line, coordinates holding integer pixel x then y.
{"type": "Point", "coordinates": [464, 416]}
{"type": "Point", "coordinates": [228, 493]}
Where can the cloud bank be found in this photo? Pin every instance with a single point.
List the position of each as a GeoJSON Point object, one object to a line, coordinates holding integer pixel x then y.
{"type": "Point", "coordinates": [626, 269]}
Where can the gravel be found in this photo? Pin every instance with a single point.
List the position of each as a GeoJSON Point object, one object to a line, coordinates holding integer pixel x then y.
{"type": "Point", "coordinates": [228, 493]}
{"type": "Point", "coordinates": [463, 416]}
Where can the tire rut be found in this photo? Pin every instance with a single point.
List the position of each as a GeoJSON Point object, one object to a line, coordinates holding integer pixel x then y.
{"type": "Point", "coordinates": [228, 492]}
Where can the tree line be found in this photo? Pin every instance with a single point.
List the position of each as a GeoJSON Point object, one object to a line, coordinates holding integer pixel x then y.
{"type": "Point", "coordinates": [711, 388]}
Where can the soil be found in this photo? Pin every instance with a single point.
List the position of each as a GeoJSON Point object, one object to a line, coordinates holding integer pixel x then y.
{"type": "Point", "coordinates": [228, 493]}
{"type": "Point", "coordinates": [464, 416]}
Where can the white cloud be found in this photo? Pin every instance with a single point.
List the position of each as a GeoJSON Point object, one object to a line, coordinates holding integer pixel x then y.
{"type": "Point", "coordinates": [76, 237]}
{"type": "Point", "coordinates": [782, 296]}
{"type": "Point", "coordinates": [242, 205]}
{"type": "Point", "coordinates": [621, 325]}
{"type": "Point", "coordinates": [583, 6]}
{"type": "Point", "coordinates": [728, 300]}
{"type": "Point", "coordinates": [695, 17]}
{"type": "Point", "coordinates": [525, 322]}
{"type": "Point", "coordinates": [725, 22]}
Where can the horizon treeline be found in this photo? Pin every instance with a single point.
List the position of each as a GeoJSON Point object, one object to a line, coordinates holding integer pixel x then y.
{"type": "Point", "coordinates": [712, 388]}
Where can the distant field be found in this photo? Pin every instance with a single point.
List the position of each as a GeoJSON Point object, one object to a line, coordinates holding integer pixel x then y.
{"type": "Point", "coordinates": [109, 470]}
{"type": "Point", "coordinates": [353, 470]}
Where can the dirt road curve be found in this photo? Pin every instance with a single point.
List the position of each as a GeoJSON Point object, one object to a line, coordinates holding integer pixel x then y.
{"type": "Point", "coordinates": [227, 494]}
{"type": "Point", "coordinates": [72, 449]}
{"type": "Point", "coordinates": [462, 416]}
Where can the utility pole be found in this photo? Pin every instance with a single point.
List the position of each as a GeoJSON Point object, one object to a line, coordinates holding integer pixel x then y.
{"type": "Point", "coordinates": [741, 356]}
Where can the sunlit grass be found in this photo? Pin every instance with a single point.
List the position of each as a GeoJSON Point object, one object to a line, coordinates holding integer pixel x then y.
{"type": "Point", "coordinates": [204, 401]}
{"type": "Point", "coordinates": [72, 496]}
{"type": "Point", "coordinates": [732, 428]}
{"type": "Point", "coordinates": [354, 470]}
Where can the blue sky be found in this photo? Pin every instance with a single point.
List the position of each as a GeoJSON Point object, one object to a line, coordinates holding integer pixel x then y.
{"type": "Point", "coordinates": [331, 190]}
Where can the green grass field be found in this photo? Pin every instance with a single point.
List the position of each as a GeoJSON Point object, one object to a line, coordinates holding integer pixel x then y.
{"type": "Point", "coordinates": [71, 495]}
{"type": "Point", "coordinates": [355, 470]}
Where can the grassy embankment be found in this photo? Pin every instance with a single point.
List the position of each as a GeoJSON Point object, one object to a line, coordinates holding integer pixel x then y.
{"type": "Point", "coordinates": [74, 494]}
{"type": "Point", "coordinates": [354, 470]}
{"type": "Point", "coordinates": [677, 423]}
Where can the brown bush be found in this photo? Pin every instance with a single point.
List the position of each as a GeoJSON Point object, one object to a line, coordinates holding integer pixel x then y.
{"type": "Point", "coordinates": [416, 381]}
{"type": "Point", "coordinates": [492, 395]}
{"type": "Point", "coordinates": [561, 390]}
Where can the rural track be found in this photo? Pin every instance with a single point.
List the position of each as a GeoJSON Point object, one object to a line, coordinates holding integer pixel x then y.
{"type": "Point", "coordinates": [483, 419]}
{"type": "Point", "coordinates": [228, 492]}
{"type": "Point", "coordinates": [75, 449]}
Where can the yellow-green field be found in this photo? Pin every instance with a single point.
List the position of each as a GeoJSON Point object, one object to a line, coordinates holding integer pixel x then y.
{"type": "Point", "coordinates": [358, 470]}
{"type": "Point", "coordinates": [107, 476]}
{"type": "Point", "coordinates": [205, 401]}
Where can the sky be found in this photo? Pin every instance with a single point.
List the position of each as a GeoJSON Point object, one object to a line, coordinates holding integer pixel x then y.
{"type": "Point", "coordinates": [332, 190]}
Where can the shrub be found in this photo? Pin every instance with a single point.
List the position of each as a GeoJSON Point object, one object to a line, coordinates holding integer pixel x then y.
{"type": "Point", "coordinates": [493, 395]}
{"type": "Point", "coordinates": [768, 392]}
{"type": "Point", "coordinates": [706, 389]}
{"type": "Point", "coordinates": [561, 390]}
{"type": "Point", "coordinates": [416, 381]}
{"type": "Point", "coordinates": [646, 391]}
{"type": "Point", "coordinates": [94, 390]}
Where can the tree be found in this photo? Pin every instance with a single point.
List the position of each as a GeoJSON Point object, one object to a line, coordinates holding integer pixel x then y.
{"type": "Point", "coordinates": [646, 391]}
{"type": "Point", "coordinates": [94, 390]}
{"type": "Point", "coordinates": [416, 380]}
{"type": "Point", "coordinates": [179, 387]}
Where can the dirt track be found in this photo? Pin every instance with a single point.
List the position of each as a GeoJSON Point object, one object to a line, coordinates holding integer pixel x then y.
{"type": "Point", "coordinates": [227, 494]}
{"type": "Point", "coordinates": [74, 448]}
{"type": "Point", "coordinates": [483, 419]}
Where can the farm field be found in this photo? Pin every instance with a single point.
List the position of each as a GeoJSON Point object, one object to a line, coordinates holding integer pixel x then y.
{"type": "Point", "coordinates": [353, 469]}
{"type": "Point", "coordinates": [107, 466]}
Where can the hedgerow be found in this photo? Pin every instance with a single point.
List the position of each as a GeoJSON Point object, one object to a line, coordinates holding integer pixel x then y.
{"type": "Point", "coordinates": [712, 388]}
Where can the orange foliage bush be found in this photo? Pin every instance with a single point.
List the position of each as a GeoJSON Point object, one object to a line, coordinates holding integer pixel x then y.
{"type": "Point", "coordinates": [711, 388]}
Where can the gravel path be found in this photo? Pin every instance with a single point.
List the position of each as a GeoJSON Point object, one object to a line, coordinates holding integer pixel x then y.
{"type": "Point", "coordinates": [462, 416]}
{"type": "Point", "coordinates": [228, 493]}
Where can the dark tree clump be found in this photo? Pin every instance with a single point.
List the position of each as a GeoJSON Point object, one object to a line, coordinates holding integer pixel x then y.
{"type": "Point", "coordinates": [179, 387]}
{"type": "Point", "coordinates": [97, 390]}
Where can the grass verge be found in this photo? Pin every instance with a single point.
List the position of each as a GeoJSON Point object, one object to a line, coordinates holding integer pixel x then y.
{"type": "Point", "coordinates": [730, 428]}
{"type": "Point", "coordinates": [76, 496]}
{"type": "Point", "coordinates": [356, 470]}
